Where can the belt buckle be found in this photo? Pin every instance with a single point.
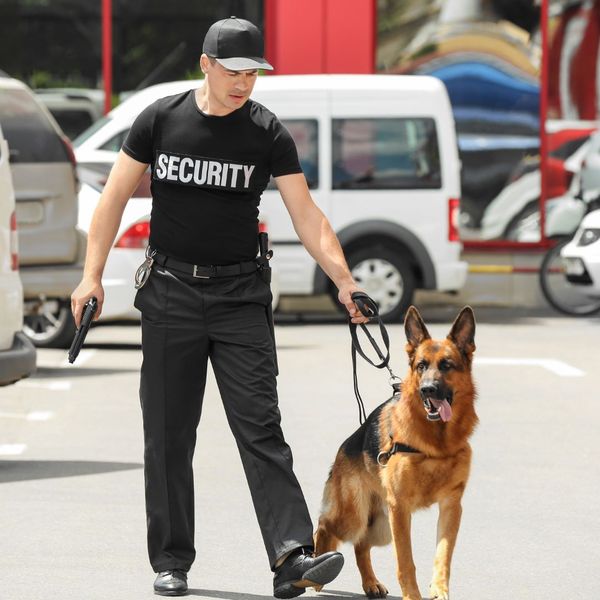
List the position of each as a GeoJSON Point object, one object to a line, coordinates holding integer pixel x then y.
{"type": "Point", "coordinates": [195, 274]}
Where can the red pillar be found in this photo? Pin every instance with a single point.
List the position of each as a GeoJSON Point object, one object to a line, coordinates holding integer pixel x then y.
{"type": "Point", "coordinates": [543, 116]}
{"type": "Point", "coordinates": [107, 52]}
{"type": "Point", "coordinates": [321, 36]}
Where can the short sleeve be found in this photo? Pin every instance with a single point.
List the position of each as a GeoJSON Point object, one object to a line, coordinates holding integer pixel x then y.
{"type": "Point", "coordinates": [284, 156]}
{"type": "Point", "coordinates": [139, 143]}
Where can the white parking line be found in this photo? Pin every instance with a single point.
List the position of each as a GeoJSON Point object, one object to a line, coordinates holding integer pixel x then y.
{"type": "Point", "coordinates": [38, 415]}
{"type": "Point", "coordinates": [12, 449]}
{"type": "Point", "coordinates": [558, 367]}
{"type": "Point", "coordinates": [84, 356]}
{"type": "Point", "coordinates": [54, 386]}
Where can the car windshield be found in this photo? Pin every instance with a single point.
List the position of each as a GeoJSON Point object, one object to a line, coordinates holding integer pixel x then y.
{"type": "Point", "coordinates": [31, 136]}
{"type": "Point", "coordinates": [89, 132]}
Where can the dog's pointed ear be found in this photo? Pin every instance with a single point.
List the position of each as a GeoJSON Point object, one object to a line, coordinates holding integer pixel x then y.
{"type": "Point", "coordinates": [463, 331]}
{"type": "Point", "coordinates": [415, 329]}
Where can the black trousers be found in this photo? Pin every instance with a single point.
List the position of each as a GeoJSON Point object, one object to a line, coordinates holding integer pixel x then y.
{"type": "Point", "coordinates": [186, 321]}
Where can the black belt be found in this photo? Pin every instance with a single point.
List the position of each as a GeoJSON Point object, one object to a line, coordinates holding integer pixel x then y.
{"type": "Point", "coordinates": [206, 271]}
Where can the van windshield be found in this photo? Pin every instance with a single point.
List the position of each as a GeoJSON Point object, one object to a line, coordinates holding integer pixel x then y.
{"type": "Point", "coordinates": [390, 153]}
{"type": "Point", "coordinates": [31, 136]}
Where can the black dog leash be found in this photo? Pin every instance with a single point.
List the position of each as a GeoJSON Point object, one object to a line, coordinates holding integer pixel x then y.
{"type": "Point", "coordinates": [368, 307]}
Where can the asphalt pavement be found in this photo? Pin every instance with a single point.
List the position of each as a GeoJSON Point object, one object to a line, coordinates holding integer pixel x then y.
{"type": "Point", "coordinates": [72, 491]}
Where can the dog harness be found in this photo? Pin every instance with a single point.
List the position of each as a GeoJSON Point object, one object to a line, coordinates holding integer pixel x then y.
{"type": "Point", "coordinates": [384, 457]}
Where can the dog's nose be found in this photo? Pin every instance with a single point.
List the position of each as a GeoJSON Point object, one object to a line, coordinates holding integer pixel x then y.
{"type": "Point", "coordinates": [428, 389]}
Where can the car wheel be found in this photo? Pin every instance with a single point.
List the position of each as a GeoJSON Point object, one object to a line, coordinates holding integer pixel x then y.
{"type": "Point", "coordinates": [386, 276]}
{"type": "Point", "coordinates": [51, 325]}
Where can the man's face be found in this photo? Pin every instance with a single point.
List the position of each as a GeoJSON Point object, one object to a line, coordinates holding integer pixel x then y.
{"type": "Point", "coordinates": [229, 89]}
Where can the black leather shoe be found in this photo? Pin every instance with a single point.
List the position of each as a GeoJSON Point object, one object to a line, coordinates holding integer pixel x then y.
{"type": "Point", "coordinates": [302, 569]}
{"type": "Point", "coordinates": [171, 583]}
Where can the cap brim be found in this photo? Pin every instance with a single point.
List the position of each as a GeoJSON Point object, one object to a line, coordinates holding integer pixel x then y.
{"type": "Point", "coordinates": [240, 63]}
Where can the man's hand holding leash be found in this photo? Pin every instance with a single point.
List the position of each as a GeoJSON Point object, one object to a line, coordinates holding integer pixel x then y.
{"type": "Point", "coordinates": [345, 297]}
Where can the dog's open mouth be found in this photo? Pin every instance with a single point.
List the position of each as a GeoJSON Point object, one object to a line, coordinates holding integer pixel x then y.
{"type": "Point", "coordinates": [438, 409]}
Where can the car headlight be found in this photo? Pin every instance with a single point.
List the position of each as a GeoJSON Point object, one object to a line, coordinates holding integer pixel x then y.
{"type": "Point", "coordinates": [588, 236]}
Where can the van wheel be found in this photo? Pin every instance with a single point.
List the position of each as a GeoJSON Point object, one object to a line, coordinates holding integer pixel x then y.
{"type": "Point", "coordinates": [51, 325]}
{"type": "Point", "coordinates": [386, 276]}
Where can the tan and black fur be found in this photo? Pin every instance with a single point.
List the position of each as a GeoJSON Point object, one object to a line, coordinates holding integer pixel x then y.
{"type": "Point", "coordinates": [371, 505]}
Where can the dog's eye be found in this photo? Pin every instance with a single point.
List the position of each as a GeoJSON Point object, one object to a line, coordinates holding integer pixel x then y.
{"type": "Point", "coordinates": [445, 365]}
{"type": "Point", "coordinates": [421, 366]}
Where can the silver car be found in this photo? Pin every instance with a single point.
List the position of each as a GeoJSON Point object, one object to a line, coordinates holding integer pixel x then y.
{"type": "Point", "coordinates": [51, 247]}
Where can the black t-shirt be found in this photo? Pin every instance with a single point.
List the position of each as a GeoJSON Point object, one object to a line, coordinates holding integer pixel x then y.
{"type": "Point", "coordinates": [208, 174]}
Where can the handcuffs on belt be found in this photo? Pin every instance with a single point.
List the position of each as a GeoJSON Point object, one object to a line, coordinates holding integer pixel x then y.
{"type": "Point", "coordinates": [143, 271]}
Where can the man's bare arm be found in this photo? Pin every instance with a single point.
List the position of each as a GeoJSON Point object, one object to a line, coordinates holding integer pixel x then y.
{"type": "Point", "coordinates": [317, 236]}
{"type": "Point", "coordinates": [122, 182]}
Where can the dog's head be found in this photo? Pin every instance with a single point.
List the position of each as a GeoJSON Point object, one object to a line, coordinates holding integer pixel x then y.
{"type": "Point", "coordinates": [440, 367]}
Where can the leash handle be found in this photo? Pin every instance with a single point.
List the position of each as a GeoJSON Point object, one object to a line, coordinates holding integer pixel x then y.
{"type": "Point", "coordinates": [368, 307]}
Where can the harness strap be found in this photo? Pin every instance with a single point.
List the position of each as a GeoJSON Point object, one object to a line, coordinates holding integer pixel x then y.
{"type": "Point", "coordinates": [384, 457]}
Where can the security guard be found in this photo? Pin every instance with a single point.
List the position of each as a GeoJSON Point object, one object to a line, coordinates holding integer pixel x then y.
{"type": "Point", "coordinates": [202, 294]}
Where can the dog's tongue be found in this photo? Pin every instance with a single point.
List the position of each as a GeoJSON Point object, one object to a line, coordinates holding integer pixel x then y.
{"type": "Point", "coordinates": [444, 409]}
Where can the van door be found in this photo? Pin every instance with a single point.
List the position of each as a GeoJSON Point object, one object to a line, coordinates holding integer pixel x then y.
{"type": "Point", "coordinates": [389, 193]}
{"type": "Point", "coordinates": [305, 114]}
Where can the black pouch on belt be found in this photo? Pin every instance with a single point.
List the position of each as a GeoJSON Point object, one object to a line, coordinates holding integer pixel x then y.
{"type": "Point", "coordinates": [264, 256]}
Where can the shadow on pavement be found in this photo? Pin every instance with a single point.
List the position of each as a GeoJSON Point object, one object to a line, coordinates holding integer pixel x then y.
{"type": "Point", "coordinates": [26, 470]}
{"type": "Point", "coordinates": [113, 346]}
{"type": "Point", "coordinates": [62, 372]}
{"type": "Point", "coordinates": [329, 594]}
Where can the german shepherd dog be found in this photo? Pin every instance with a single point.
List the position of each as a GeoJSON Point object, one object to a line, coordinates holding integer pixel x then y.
{"type": "Point", "coordinates": [411, 451]}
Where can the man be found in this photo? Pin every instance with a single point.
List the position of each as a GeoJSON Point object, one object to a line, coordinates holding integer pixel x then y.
{"type": "Point", "coordinates": [212, 152]}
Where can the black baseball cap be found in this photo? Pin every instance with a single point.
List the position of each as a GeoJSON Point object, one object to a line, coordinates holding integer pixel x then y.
{"type": "Point", "coordinates": [237, 44]}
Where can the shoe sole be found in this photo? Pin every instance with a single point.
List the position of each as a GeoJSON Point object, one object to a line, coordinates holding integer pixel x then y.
{"type": "Point", "coordinates": [319, 575]}
{"type": "Point", "coordinates": [171, 593]}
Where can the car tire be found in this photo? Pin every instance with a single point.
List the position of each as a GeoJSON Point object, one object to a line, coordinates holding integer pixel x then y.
{"type": "Point", "coordinates": [385, 274]}
{"type": "Point", "coordinates": [52, 327]}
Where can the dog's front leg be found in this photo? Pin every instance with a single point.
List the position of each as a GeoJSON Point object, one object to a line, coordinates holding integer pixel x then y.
{"type": "Point", "coordinates": [447, 531]}
{"type": "Point", "coordinates": [400, 519]}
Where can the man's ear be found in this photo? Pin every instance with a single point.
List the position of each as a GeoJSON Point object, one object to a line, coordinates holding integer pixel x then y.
{"type": "Point", "coordinates": [462, 333]}
{"type": "Point", "coordinates": [204, 63]}
{"type": "Point", "coordinates": [414, 327]}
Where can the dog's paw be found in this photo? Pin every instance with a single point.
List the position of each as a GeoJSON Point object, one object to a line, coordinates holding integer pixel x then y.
{"type": "Point", "coordinates": [318, 588]}
{"type": "Point", "coordinates": [375, 589]}
{"type": "Point", "coordinates": [439, 591]}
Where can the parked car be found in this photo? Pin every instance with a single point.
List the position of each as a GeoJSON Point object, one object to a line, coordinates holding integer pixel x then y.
{"type": "Point", "coordinates": [380, 156]}
{"type": "Point", "coordinates": [505, 215]}
{"type": "Point", "coordinates": [74, 109]}
{"type": "Point", "coordinates": [17, 353]}
{"type": "Point", "coordinates": [52, 249]}
{"type": "Point", "coordinates": [582, 255]}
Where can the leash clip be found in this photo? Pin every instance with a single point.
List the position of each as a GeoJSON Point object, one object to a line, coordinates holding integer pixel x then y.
{"type": "Point", "coordinates": [380, 457]}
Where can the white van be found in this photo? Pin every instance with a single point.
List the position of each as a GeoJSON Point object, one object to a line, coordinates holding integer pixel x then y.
{"type": "Point", "coordinates": [380, 156]}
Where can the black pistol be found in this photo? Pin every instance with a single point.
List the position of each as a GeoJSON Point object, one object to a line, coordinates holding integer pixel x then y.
{"type": "Point", "coordinates": [89, 310]}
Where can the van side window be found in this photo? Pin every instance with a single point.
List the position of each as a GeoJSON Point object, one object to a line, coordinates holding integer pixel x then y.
{"type": "Point", "coordinates": [305, 133]}
{"type": "Point", "coordinates": [385, 154]}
